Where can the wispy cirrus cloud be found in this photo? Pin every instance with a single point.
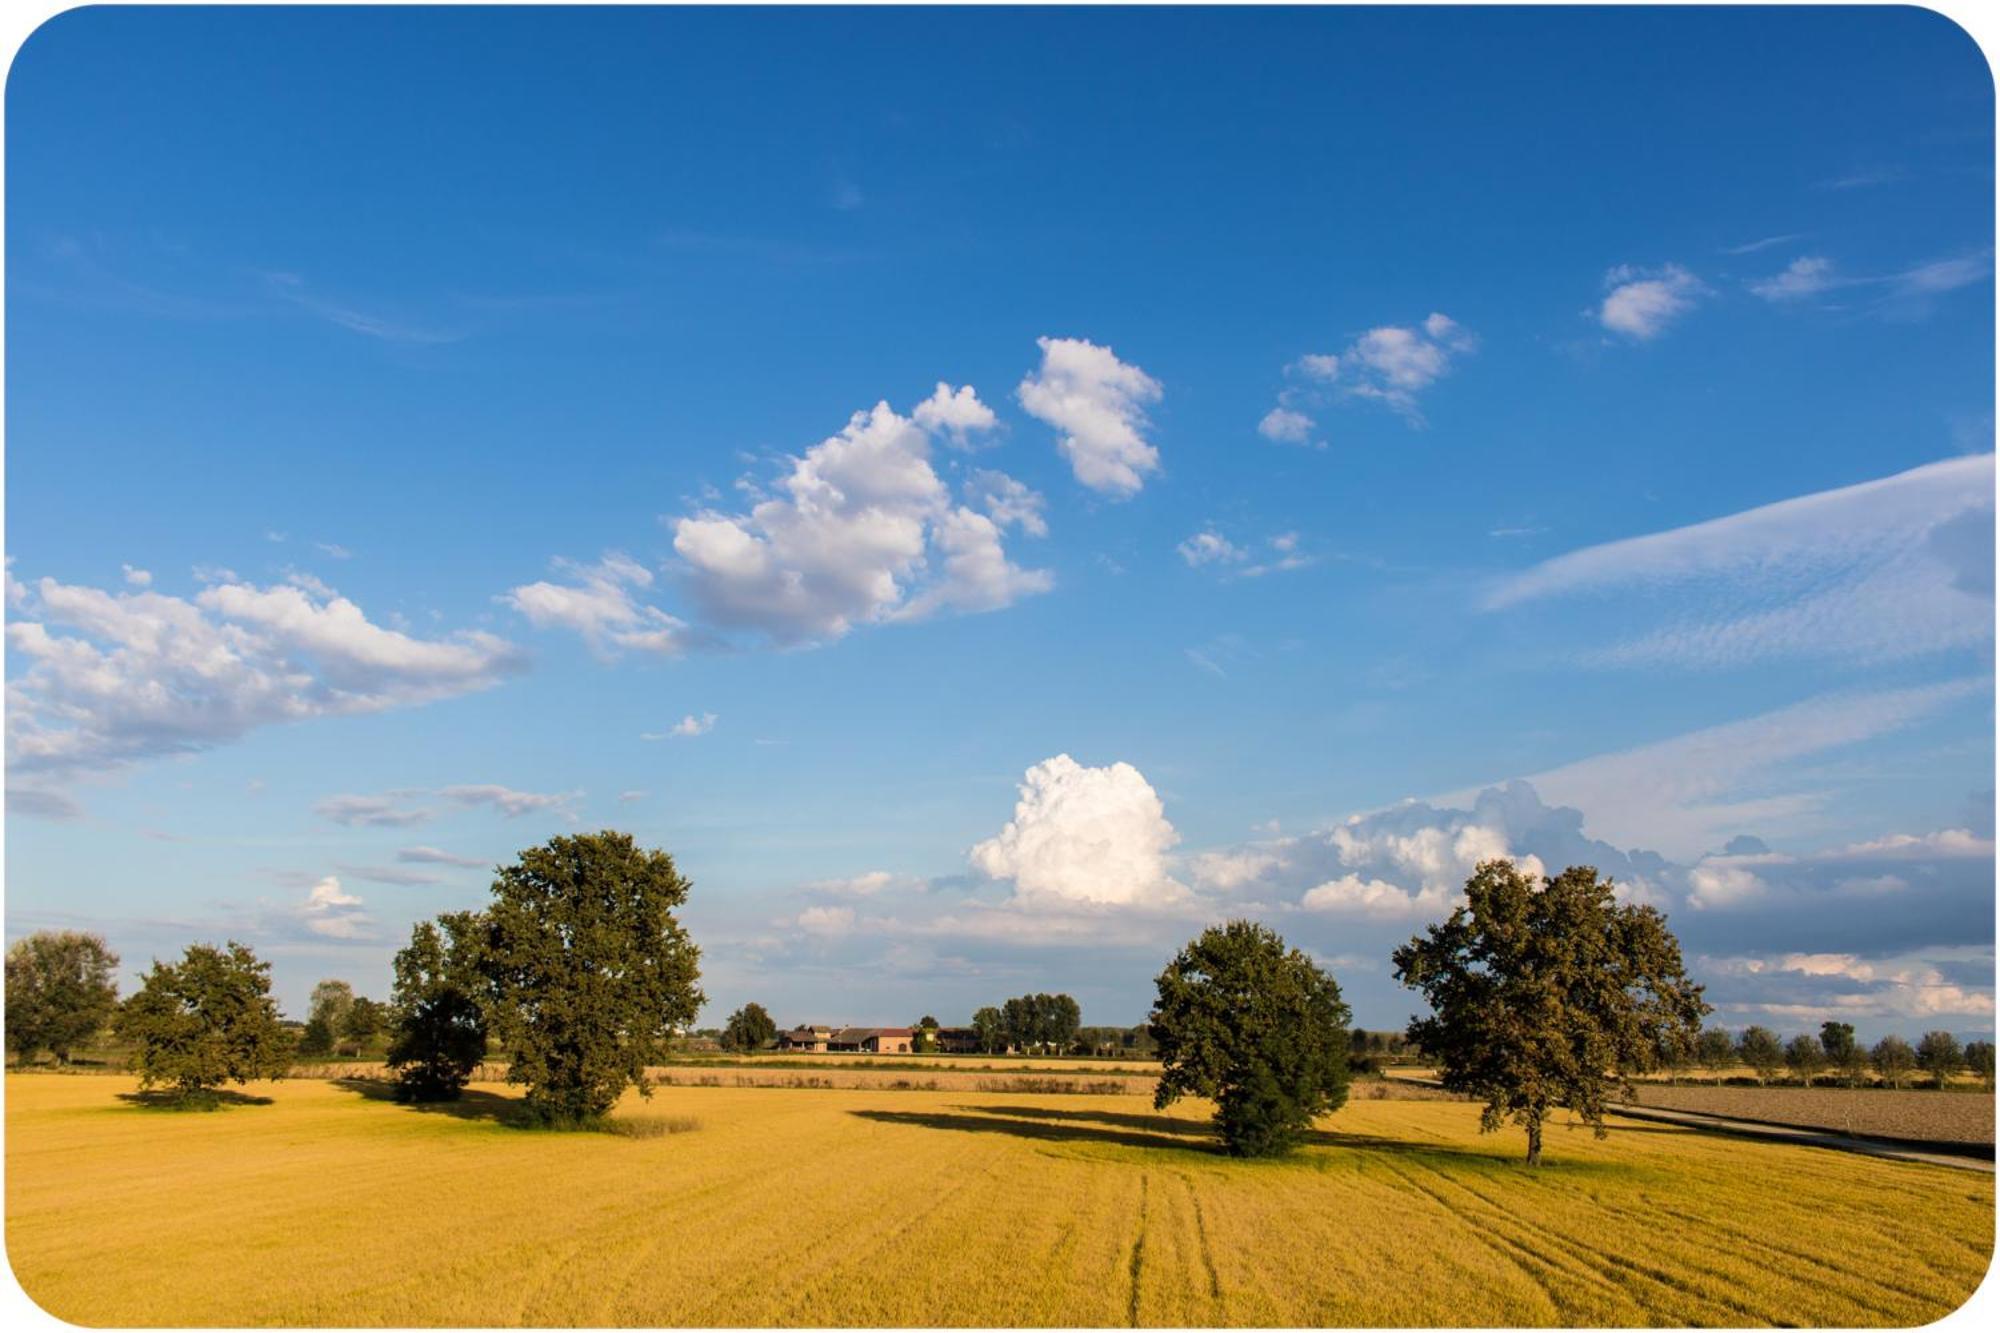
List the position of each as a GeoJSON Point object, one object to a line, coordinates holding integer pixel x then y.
{"type": "Point", "coordinates": [1893, 568]}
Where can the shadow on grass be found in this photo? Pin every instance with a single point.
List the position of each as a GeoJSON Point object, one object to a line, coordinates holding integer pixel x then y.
{"type": "Point", "coordinates": [166, 1099]}
{"type": "Point", "coordinates": [1143, 1131]}
{"type": "Point", "coordinates": [471, 1104]}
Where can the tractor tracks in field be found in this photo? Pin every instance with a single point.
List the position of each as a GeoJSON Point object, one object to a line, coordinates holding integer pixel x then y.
{"type": "Point", "coordinates": [1138, 1261]}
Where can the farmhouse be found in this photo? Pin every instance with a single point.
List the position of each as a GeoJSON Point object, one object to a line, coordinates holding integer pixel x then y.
{"type": "Point", "coordinates": [871, 1041]}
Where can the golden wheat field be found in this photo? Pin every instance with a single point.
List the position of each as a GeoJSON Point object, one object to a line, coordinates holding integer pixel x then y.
{"type": "Point", "coordinates": [331, 1206]}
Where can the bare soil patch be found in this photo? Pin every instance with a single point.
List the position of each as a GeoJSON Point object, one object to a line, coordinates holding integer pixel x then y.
{"type": "Point", "coordinates": [1920, 1116]}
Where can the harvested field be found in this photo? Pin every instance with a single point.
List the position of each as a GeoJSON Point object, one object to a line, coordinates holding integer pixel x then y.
{"type": "Point", "coordinates": [329, 1205]}
{"type": "Point", "coordinates": [1925, 1116]}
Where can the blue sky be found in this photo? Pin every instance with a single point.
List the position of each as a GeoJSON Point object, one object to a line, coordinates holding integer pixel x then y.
{"type": "Point", "coordinates": [993, 491]}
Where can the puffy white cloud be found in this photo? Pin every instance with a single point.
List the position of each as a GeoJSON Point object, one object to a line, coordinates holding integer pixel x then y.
{"type": "Point", "coordinates": [1006, 501]}
{"type": "Point", "coordinates": [1391, 365]}
{"type": "Point", "coordinates": [331, 911]}
{"type": "Point", "coordinates": [1806, 276]}
{"type": "Point", "coordinates": [1084, 835]}
{"type": "Point", "coordinates": [597, 603]}
{"type": "Point", "coordinates": [1286, 426]}
{"type": "Point", "coordinates": [955, 415]}
{"type": "Point", "coordinates": [689, 725]}
{"type": "Point", "coordinates": [118, 677]}
{"type": "Point", "coordinates": [1209, 547]}
{"type": "Point", "coordinates": [825, 920]}
{"type": "Point", "coordinates": [847, 540]}
{"type": "Point", "coordinates": [1353, 895]}
{"type": "Point", "coordinates": [1098, 404]}
{"type": "Point", "coordinates": [1809, 988]}
{"type": "Point", "coordinates": [138, 578]}
{"type": "Point", "coordinates": [1641, 303]}
{"type": "Point", "coordinates": [1892, 568]}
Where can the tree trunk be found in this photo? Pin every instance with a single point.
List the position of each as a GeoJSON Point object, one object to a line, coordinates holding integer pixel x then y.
{"type": "Point", "coordinates": [1535, 1141]}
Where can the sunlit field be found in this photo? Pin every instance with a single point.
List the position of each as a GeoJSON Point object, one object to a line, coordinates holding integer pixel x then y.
{"type": "Point", "coordinates": [332, 1206]}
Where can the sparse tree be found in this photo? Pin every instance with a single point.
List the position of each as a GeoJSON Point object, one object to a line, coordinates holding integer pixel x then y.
{"type": "Point", "coordinates": [750, 1028]}
{"type": "Point", "coordinates": [60, 992]}
{"type": "Point", "coordinates": [1893, 1060]}
{"type": "Point", "coordinates": [1979, 1060]}
{"type": "Point", "coordinates": [990, 1029]}
{"type": "Point", "coordinates": [591, 972]}
{"type": "Point", "coordinates": [1940, 1056]}
{"type": "Point", "coordinates": [1715, 1050]}
{"type": "Point", "coordinates": [331, 1003]}
{"type": "Point", "coordinates": [1258, 1029]}
{"type": "Point", "coordinates": [1805, 1057]}
{"type": "Point", "coordinates": [1759, 1048]}
{"type": "Point", "coordinates": [437, 1034]}
{"type": "Point", "coordinates": [205, 1020]}
{"type": "Point", "coordinates": [1547, 995]}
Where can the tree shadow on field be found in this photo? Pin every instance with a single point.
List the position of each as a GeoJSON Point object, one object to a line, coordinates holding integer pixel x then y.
{"type": "Point", "coordinates": [472, 1104]}
{"type": "Point", "coordinates": [167, 1099]}
{"type": "Point", "coordinates": [1142, 1131]}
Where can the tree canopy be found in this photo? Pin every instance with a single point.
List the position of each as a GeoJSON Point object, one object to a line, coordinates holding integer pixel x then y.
{"type": "Point", "coordinates": [1548, 994]}
{"type": "Point", "coordinates": [749, 1028]}
{"type": "Point", "coordinates": [1759, 1048]}
{"type": "Point", "coordinates": [591, 974]}
{"type": "Point", "coordinates": [1893, 1060]}
{"type": "Point", "coordinates": [1940, 1056]}
{"type": "Point", "coordinates": [205, 1020]}
{"type": "Point", "coordinates": [437, 1025]}
{"type": "Point", "coordinates": [990, 1029]}
{"type": "Point", "coordinates": [60, 991]}
{"type": "Point", "coordinates": [1040, 1022]}
{"type": "Point", "coordinates": [1255, 1027]}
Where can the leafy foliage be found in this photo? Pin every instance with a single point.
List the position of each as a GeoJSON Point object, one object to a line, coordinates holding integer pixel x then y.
{"type": "Point", "coordinates": [1844, 1055]}
{"type": "Point", "coordinates": [1041, 1022]}
{"type": "Point", "coordinates": [1715, 1050]}
{"type": "Point", "coordinates": [1759, 1048]}
{"type": "Point", "coordinates": [1893, 1060]}
{"type": "Point", "coordinates": [331, 1002]}
{"type": "Point", "coordinates": [590, 971]}
{"type": "Point", "coordinates": [1257, 1028]}
{"type": "Point", "coordinates": [1939, 1055]}
{"type": "Point", "coordinates": [60, 991]}
{"type": "Point", "coordinates": [206, 1020]}
{"type": "Point", "coordinates": [991, 1030]}
{"type": "Point", "coordinates": [749, 1028]}
{"type": "Point", "coordinates": [365, 1020]}
{"type": "Point", "coordinates": [1805, 1057]}
{"type": "Point", "coordinates": [1979, 1059]}
{"type": "Point", "coordinates": [437, 1033]}
{"type": "Point", "coordinates": [1547, 995]}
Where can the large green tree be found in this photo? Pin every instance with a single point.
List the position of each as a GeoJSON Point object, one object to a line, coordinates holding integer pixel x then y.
{"type": "Point", "coordinates": [1547, 994]}
{"type": "Point", "coordinates": [1843, 1053]}
{"type": "Point", "coordinates": [591, 973]}
{"type": "Point", "coordinates": [437, 1025]}
{"type": "Point", "coordinates": [1258, 1029]}
{"type": "Point", "coordinates": [749, 1028]}
{"type": "Point", "coordinates": [990, 1029]}
{"type": "Point", "coordinates": [205, 1020]}
{"type": "Point", "coordinates": [1805, 1057]}
{"type": "Point", "coordinates": [60, 991]}
{"type": "Point", "coordinates": [331, 1002]}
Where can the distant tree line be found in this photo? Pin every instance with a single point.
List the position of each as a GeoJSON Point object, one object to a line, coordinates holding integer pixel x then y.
{"type": "Point", "coordinates": [1833, 1056]}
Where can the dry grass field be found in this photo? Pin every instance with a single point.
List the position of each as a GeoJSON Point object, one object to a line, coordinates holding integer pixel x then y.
{"type": "Point", "coordinates": [808, 1207]}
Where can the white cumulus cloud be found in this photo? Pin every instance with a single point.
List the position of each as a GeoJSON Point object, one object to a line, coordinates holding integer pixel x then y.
{"type": "Point", "coordinates": [1084, 835]}
{"type": "Point", "coordinates": [1097, 403]}
{"type": "Point", "coordinates": [1641, 303]}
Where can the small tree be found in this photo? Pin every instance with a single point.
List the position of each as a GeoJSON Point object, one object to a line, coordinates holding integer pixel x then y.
{"type": "Point", "coordinates": [1893, 1060]}
{"type": "Point", "coordinates": [1061, 1018]}
{"type": "Point", "coordinates": [316, 1041]}
{"type": "Point", "coordinates": [1547, 995]}
{"type": "Point", "coordinates": [591, 972]}
{"type": "Point", "coordinates": [1843, 1054]}
{"type": "Point", "coordinates": [1939, 1055]}
{"type": "Point", "coordinates": [1805, 1057]}
{"type": "Point", "coordinates": [1258, 1029]}
{"type": "Point", "coordinates": [749, 1028]}
{"type": "Point", "coordinates": [1979, 1059]}
{"type": "Point", "coordinates": [1715, 1051]}
{"type": "Point", "coordinates": [924, 1035]}
{"type": "Point", "coordinates": [1758, 1047]}
{"type": "Point", "coordinates": [990, 1030]}
{"type": "Point", "coordinates": [60, 992]}
{"type": "Point", "coordinates": [437, 1029]}
{"type": "Point", "coordinates": [205, 1020]}
{"type": "Point", "coordinates": [332, 1001]}
{"type": "Point", "coordinates": [365, 1021]}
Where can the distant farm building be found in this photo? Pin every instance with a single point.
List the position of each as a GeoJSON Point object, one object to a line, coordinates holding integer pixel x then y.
{"type": "Point", "coordinates": [870, 1041]}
